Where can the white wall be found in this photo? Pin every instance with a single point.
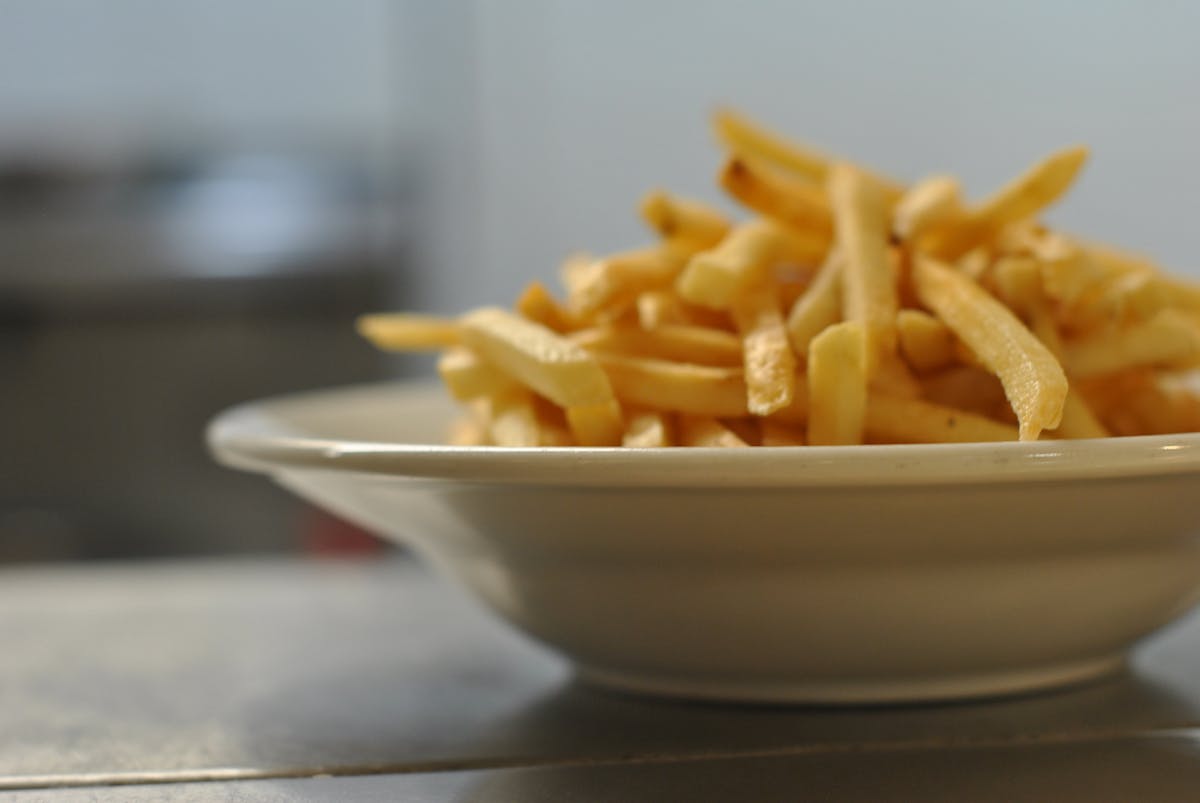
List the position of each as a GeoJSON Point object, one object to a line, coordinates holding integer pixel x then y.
{"type": "Point", "coordinates": [219, 69]}
{"type": "Point", "coordinates": [583, 106]}
{"type": "Point", "coordinates": [543, 121]}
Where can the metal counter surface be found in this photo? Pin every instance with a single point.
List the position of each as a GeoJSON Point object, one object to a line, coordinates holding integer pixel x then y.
{"type": "Point", "coordinates": [217, 679]}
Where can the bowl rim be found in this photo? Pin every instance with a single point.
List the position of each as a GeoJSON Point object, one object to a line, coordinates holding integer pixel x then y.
{"type": "Point", "coordinates": [248, 436]}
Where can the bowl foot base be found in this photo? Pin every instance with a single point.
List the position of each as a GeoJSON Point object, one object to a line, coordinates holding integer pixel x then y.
{"type": "Point", "coordinates": [866, 691]}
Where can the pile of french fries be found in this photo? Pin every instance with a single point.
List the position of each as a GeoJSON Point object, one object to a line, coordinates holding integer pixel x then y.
{"type": "Point", "coordinates": [847, 309]}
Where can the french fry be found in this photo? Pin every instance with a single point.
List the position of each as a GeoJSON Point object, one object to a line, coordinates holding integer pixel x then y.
{"type": "Point", "coordinates": [976, 263]}
{"type": "Point", "coordinates": [1033, 380]}
{"type": "Point", "coordinates": [819, 307]}
{"type": "Point", "coordinates": [677, 387]}
{"type": "Point", "coordinates": [894, 420]}
{"type": "Point", "coordinates": [648, 429]}
{"type": "Point", "coordinates": [679, 343]}
{"type": "Point", "coordinates": [1020, 199]}
{"type": "Point", "coordinates": [515, 422]}
{"type": "Point", "coordinates": [537, 357]}
{"type": "Point", "coordinates": [1183, 295]}
{"type": "Point", "coordinates": [683, 220]}
{"type": "Point", "coordinates": [746, 257]}
{"type": "Point", "coordinates": [742, 136]}
{"type": "Point", "coordinates": [702, 431]}
{"type": "Point", "coordinates": [574, 271]}
{"type": "Point", "coordinates": [775, 433]}
{"type": "Point", "coordinates": [931, 202]}
{"type": "Point", "coordinates": [663, 307]}
{"type": "Point", "coordinates": [538, 305]}
{"type": "Point", "coordinates": [1169, 339]}
{"type": "Point", "coordinates": [868, 288]}
{"type": "Point", "coordinates": [1078, 420]}
{"type": "Point", "coordinates": [1124, 298]}
{"type": "Point", "coordinates": [596, 424]}
{"type": "Point", "coordinates": [849, 309]}
{"type": "Point", "coordinates": [893, 377]}
{"type": "Point", "coordinates": [965, 387]}
{"type": "Point", "coordinates": [798, 204]}
{"type": "Point", "coordinates": [748, 429]}
{"type": "Point", "coordinates": [468, 377]}
{"type": "Point", "coordinates": [406, 331]}
{"type": "Point", "coordinates": [657, 308]}
{"type": "Point", "coordinates": [925, 342]}
{"type": "Point", "coordinates": [1118, 260]}
{"type": "Point", "coordinates": [467, 431]}
{"type": "Point", "coordinates": [620, 278]}
{"type": "Point", "coordinates": [1019, 283]}
{"type": "Point", "coordinates": [770, 365]}
{"type": "Point", "coordinates": [837, 385]}
{"type": "Point", "coordinates": [1143, 402]}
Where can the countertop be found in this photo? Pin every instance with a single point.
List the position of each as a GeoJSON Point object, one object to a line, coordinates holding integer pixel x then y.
{"type": "Point", "coordinates": [375, 680]}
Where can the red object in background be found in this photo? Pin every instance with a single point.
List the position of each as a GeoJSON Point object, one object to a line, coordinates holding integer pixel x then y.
{"type": "Point", "coordinates": [326, 535]}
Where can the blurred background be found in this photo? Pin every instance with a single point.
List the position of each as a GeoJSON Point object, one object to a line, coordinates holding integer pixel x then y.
{"type": "Point", "coordinates": [196, 198]}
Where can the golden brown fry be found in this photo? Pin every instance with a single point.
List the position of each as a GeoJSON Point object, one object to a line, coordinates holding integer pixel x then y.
{"type": "Point", "coordinates": [660, 308]}
{"type": "Point", "coordinates": [467, 376]}
{"type": "Point", "coordinates": [868, 287]}
{"type": "Point", "coordinates": [1020, 199]}
{"type": "Point", "coordinates": [1078, 420]}
{"type": "Point", "coordinates": [819, 307]}
{"type": "Point", "coordinates": [798, 204]}
{"type": "Point", "coordinates": [1170, 339]}
{"type": "Point", "coordinates": [744, 258]}
{"type": "Point", "coordinates": [536, 357]}
{"type": "Point", "coordinates": [467, 430]}
{"type": "Point", "coordinates": [1118, 260]}
{"type": "Point", "coordinates": [894, 420]}
{"type": "Point", "coordinates": [680, 343]}
{"type": "Point", "coordinates": [574, 270]}
{"type": "Point", "coordinates": [1182, 295]}
{"type": "Point", "coordinates": [748, 429]}
{"type": "Point", "coordinates": [538, 305]}
{"type": "Point", "coordinates": [677, 387]}
{"type": "Point", "coordinates": [515, 421]}
{"type": "Point", "coordinates": [648, 429]}
{"type": "Point", "coordinates": [893, 378]}
{"type": "Point", "coordinates": [837, 385]}
{"type": "Point", "coordinates": [597, 424]}
{"type": "Point", "coordinates": [926, 343]}
{"type": "Point", "coordinates": [775, 433]}
{"type": "Point", "coordinates": [684, 220]}
{"type": "Point", "coordinates": [1119, 299]}
{"type": "Point", "coordinates": [1019, 283]}
{"type": "Point", "coordinates": [1033, 380]}
{"type": "Point", "coordinates": [618, 279]}
{"type": "Point", "coordinates": [1143, 402]}
{"type": "Point", "coordinates": [965, 387]}
{"type": "Point", "coordinates": [932, 202]}
{"type": "Point", "coordinates": [768, 360]}
{"type": "Point", "coordinates": [406, 331]}
{"type": "Point", "coordinates": [703, 431]}
{"type": "Point", "coordinates": [976, 263]}
{"type": "Point", "coordinates": [735, 330]}
{"type": "Point", "coordinates": [742, 136]}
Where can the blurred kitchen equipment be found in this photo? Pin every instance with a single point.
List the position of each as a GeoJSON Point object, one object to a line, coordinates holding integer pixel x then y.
{"type": "Point", "coordinates": [136, 299]}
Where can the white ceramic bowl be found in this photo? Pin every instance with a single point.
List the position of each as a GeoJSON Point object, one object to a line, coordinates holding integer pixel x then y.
{"type": "Point", "coordinates": [836, 574]}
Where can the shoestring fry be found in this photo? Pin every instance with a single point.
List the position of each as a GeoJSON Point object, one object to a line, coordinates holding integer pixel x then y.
{"type": "Point", "coordinates": [839, 307]}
